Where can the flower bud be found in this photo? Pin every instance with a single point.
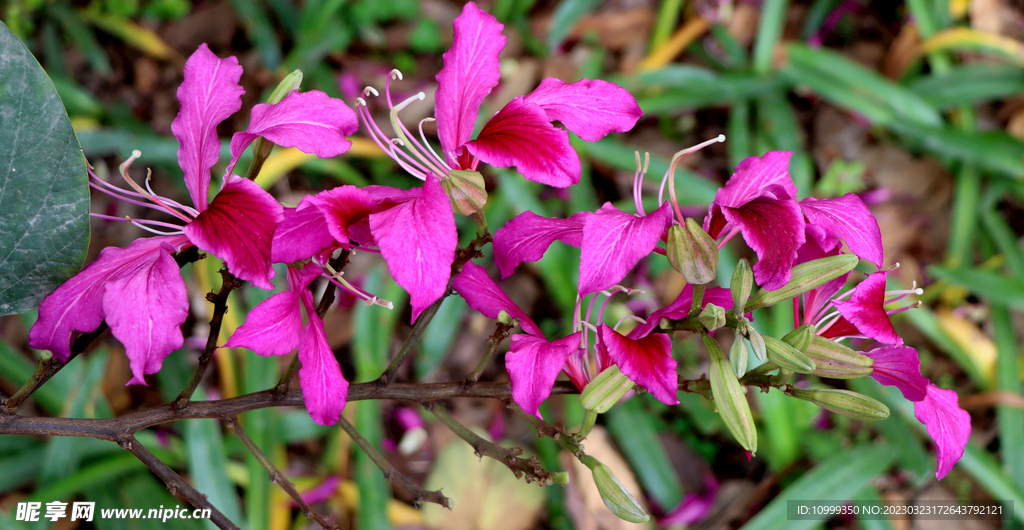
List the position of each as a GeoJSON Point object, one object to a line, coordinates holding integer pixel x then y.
{"type": "Point", "coordinates": [692, 252]}
{"type": "Point", "coordinates": [561, 478]}
{"type": "Point", "coordinates": [712, 316]}
{"type": "Point", "coordinates": [844, 402]}
{"type": "Point", "coordinates": [837, 361]}
{"type": "Point", "coordinates": [800, 338]}
{"type": "Point", "coordinates": [466, 190]}
{"type": "Point", "coordinates": [289, 84]}
{"type": "Point", "coordinates": [505, 318]}
{"type": "Point", "coordinates": [806, 276]}
{"type": "Point", "coordinates": [605, 390]}
{"type": "Point", "coordinates": [738, 356]}
{"type": "Point", "coordinates": [741, 285]}
{"type": "Point", "coordinates": [756, 343]}
{"type": "Point", "coordinates": [614, 494]}
{"type": "Point", "coordinates": [787, 357]}
{"type": "Point", "coordinates": [729, 397]}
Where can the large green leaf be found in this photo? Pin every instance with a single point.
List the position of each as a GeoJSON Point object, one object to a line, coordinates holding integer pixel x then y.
{"type": "Point", "coordinates": [44, 192]}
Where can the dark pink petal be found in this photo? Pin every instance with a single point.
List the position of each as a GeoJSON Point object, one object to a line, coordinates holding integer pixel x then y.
{"type": "Point", "coordinates": [647, 362]}
{"type": "Point", "coordinates": [418, 239]}
{"type": "Point", "coordinates": [754, 175]}
{"type": "Point", "coordinates": [864, 310]}
{"type": "Point", "coordinates": [680, 308]}
{"type": "Point", "coordinates": [238, 227]}
{"type": "Point", "coordinates": [273, 327]}
{"type": "Point", "coordinates": [343, 206]}
{"type": "Point", "coordinates": [947, 424]}
{"type": "Point", "coordinates": [900, 367]}
{"type": "Point", "coordinates": [775, 230]}
{"type": "Point", "coordinates": [302, 234]}
{"type": "Point", "coordinates": [145, 306]}
{"type": "Point", "coordinates": [482, 294]}
{"type": "Point", "coordinates": [527, 236]}
{"type": "Point", "coordinates": [312, 122]}
{"type": "Point", "coordinates": [386, 196]}
{"type": "Point", "coordinates": [469, 73]}
{"type": "Point", "coordinates": [78, 304]}
{"type": "Point", "coordinates": [324, 388]}
{"type": "Point", "coordinates": [845, 218]}
{"type": "Point", "coordinates": [208, 95]}
{"type": "Point", "coordinates": [615, 241]}
{"type": "Point", "coordinates": [533, 364]}
{"type": "Point", "coordinates": [521, 135]}
{"type": "Point", "coordinates": [591, 109]}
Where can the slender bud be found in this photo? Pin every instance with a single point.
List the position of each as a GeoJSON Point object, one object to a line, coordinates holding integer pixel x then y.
{"type": "Point", "coordinates": [742, 284]}
{"type": "Point", "coordinates": [756, 343]}
{"type": "Point", "coordinates": [806, 276]}
{"type": "Point", "coordinates": [729, 397]}
{"type": "Point", "coordinates": [712, 316]}
{"type": "Point", "coordinates": [738, 356]}
{"type": "Point", "coordinates": [800, 338]}
{"type": "Point", "coordinates": [605, 390]}
{"type": "Point", "coordinates": [615, 496]}
{"type": "Point", "coordinates": [837, 361]}
{"type": "Point", "coordinates": [787, 357]}
{"type": "Point", "coordinates": [262, 147]}
{"type": "Point", "coordinates": [692, 252]}
{"type": "Point", "coordinates": [467, 191]}
{"type": "Point", "coordinates": [844, 402]}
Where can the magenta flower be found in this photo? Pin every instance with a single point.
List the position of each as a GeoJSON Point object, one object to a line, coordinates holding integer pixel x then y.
{"type": "Point", "coordinates": [137, 289]}
{"type": "Point", "coordinates": [418, 238]}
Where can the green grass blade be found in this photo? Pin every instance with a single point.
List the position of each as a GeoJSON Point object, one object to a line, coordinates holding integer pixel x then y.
{"type": "Point", "coordinates": [636, 433]}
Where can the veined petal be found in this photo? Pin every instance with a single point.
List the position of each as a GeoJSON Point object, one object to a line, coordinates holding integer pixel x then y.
{"type": "Point", "coordinates": [273, 327]}
{"type": "Point", "coordinates": [482, 294]}
{"type": "Point", "coordinates": [324, 388]}
{"type": "Point", "coordinates": [533, 364]}
{"type": "Point", "coordinates": [680, 308]}
{"type": "Point", "coordinates": [145, 306]}
{"type": "Point", "coordinates": [900, 367]}
{"type": "Point", "coordinates": [591, 109]}
{"type": "Point", "coordinates": [470, 71]}
{"type": "Point", "coordinates": [208, 95]}
{"type": "Point", "coordinates": [341, 207]}
{"type": "Point", "coordinates": [845, 218]}
{"type": "Point", "coordinates": [302, 234]}
{"type": "Point", "coordinates": [614, 242]}
{"type": "Point", "coordinates": [418, 239]}
{"type": "Point", "coordinates": [774, 229]}
{"type": "Point", "coordinates": [77, 305]}
{"type": "Point", "coordinates": [386, 196]}
{"type": "Point", "coordinates": [864, 310]}
{"type": "Point", "coordinates": [947, 424]}
{"type": "Point", "coordinates": [238, 227]}
{"type": "Point", "coordinates": [312, 122]}
{"type": "Point", "coordinates": [521, 135]}
{"type": "Point", "coordinates": [647, 362]}
{"type": "Point", "coordinates": [527, 236]}
{"type": "Point", "coordinates": [754, 175]}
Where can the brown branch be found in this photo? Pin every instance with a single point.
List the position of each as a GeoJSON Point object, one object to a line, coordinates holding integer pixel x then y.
{"type": "Point", "coordinates": [501, 332]}
{"type": "Point", "coordinates": [220, 306]}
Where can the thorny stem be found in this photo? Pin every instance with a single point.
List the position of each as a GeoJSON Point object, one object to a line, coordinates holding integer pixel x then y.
{"type": "Point", "coordinates": [220, 306]}
{"type": "Point", "coordinates": [501, 332]}
{"type": "Point", "coordinates": [277, 477]}
{"type": "Point", "coordinates": [392, 474]}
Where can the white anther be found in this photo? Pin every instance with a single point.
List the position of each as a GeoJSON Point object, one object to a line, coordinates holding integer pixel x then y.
{"type": "Point", "coordinates": [360, 101]}
{"type": "Point", "coordinates": [396, 74]}
{"type": "Point", "coordinates": [370, 91]}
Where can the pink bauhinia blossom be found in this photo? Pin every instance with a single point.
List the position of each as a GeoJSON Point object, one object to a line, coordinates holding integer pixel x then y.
{"type": "Point", "coordinates": [136, 289]}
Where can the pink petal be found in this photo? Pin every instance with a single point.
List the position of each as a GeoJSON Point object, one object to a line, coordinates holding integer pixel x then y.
{"type": "Point", "coordinates": [418, 239]}
{"type": "Point", "coordinates": [341, 207]}
{"type": "Point", "coordinates": [521, 135]}
{"type": "Point", "coordinates": [145, 306]}
{"type": "Point", "coordinates": [647, 362]}
{"type": "Point", "coordinates": [864, 310]}
{"type": "Point", "coordinates": [947, 424]}
{"type": "Point", "coordinates": [238, 227]}
{"type": "Point", "coordinates": [900, 367]}
{"type": "Point", "coordinates": [469, 73]}
{"type": "Point", "coordinates": [302, 234]}
{"type": "Point", "coordinates": [774, 229]}
{"type": "Point", "coordinates": [208, 95]}
{"type": "Point", "coordinates": [680, 308]}
{"type": "Point", "coordinates": [312, 122]}
{"type": "Point", "coordinates": [273, 327]}
{"type": "Point", "coordinates": [386, 196]}
{"type": "Point", "coordinates": [77, 305]}
{"type": "Point", "coordinates": [591, 109]}
{"type": "Point", "coordinates": [754, 175]}
{"type": "Point", "coordinates": [482, 294]}
{"type": "Point", "coordinates": [614, 242]}
{"type": "Point", "coordinates": [324, 388]}
{"type": "Point", "coordinates": [845, 218]}
{"type": "Point", "coordinates": [533, 364]}
{"type": "Point", "coordinates": [816, 299]}
{"type": "Point", "coordinates": [527, 236]}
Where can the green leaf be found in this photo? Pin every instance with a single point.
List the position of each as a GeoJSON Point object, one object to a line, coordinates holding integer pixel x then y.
{"type": "Point", "coordinates": [566, 15]}
{"type": "Point", "coordinates": [207, 465]}
{"type": "Point", "coordinates": [998, 288]}
{"type": "Point", "coordinates": [44, 191]}
{"type": "Point", "coordinates": [636, 434]}
{"type": "Point", "coordinates": [969, 85]}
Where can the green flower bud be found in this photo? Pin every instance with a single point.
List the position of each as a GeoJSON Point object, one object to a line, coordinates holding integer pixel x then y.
{"type": "Point", "coordinates": [712, 316]}
{"type": "Point", "coordinates": [806, 276]}
{"type": "Point", "coordinates": [837, 361]}
{"type": "Point", "coordinates": [741, 285]}
{"type": "Point", "coordinates": [614, 494]}
{"type": "Point", "coordinates": [756, 343]}
{"type": "Point", "coordinates": [800, 338]}
{"type": "Point", "coordinates": [787, 357]}
{"type": "Point", "coordinates": [605, 390]}
{"type": "Point", "coordinates": [729, 397]}
{"type": "Point", "coordinates": [262, 147]}
{"type": "Point", "coordinates": [505, 318]}
{"type": "Point", "coordinates": [466, 190]}
{"type": "Point", "coordinates": [289, 84]}
{"type": "Point", "coordinates": [692, 252]}
{"type": "Point", "coordinates": [843, 402]}
{"type": "Point", "coordinates": [738, 356]}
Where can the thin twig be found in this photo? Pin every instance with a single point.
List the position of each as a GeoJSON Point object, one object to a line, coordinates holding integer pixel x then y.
{"type": "Point", "coordinates": [501, 332]}
{"type": "Point", "coordinates": [220, 306]}
{"type": "Point", "coordinates": [277, 477]}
